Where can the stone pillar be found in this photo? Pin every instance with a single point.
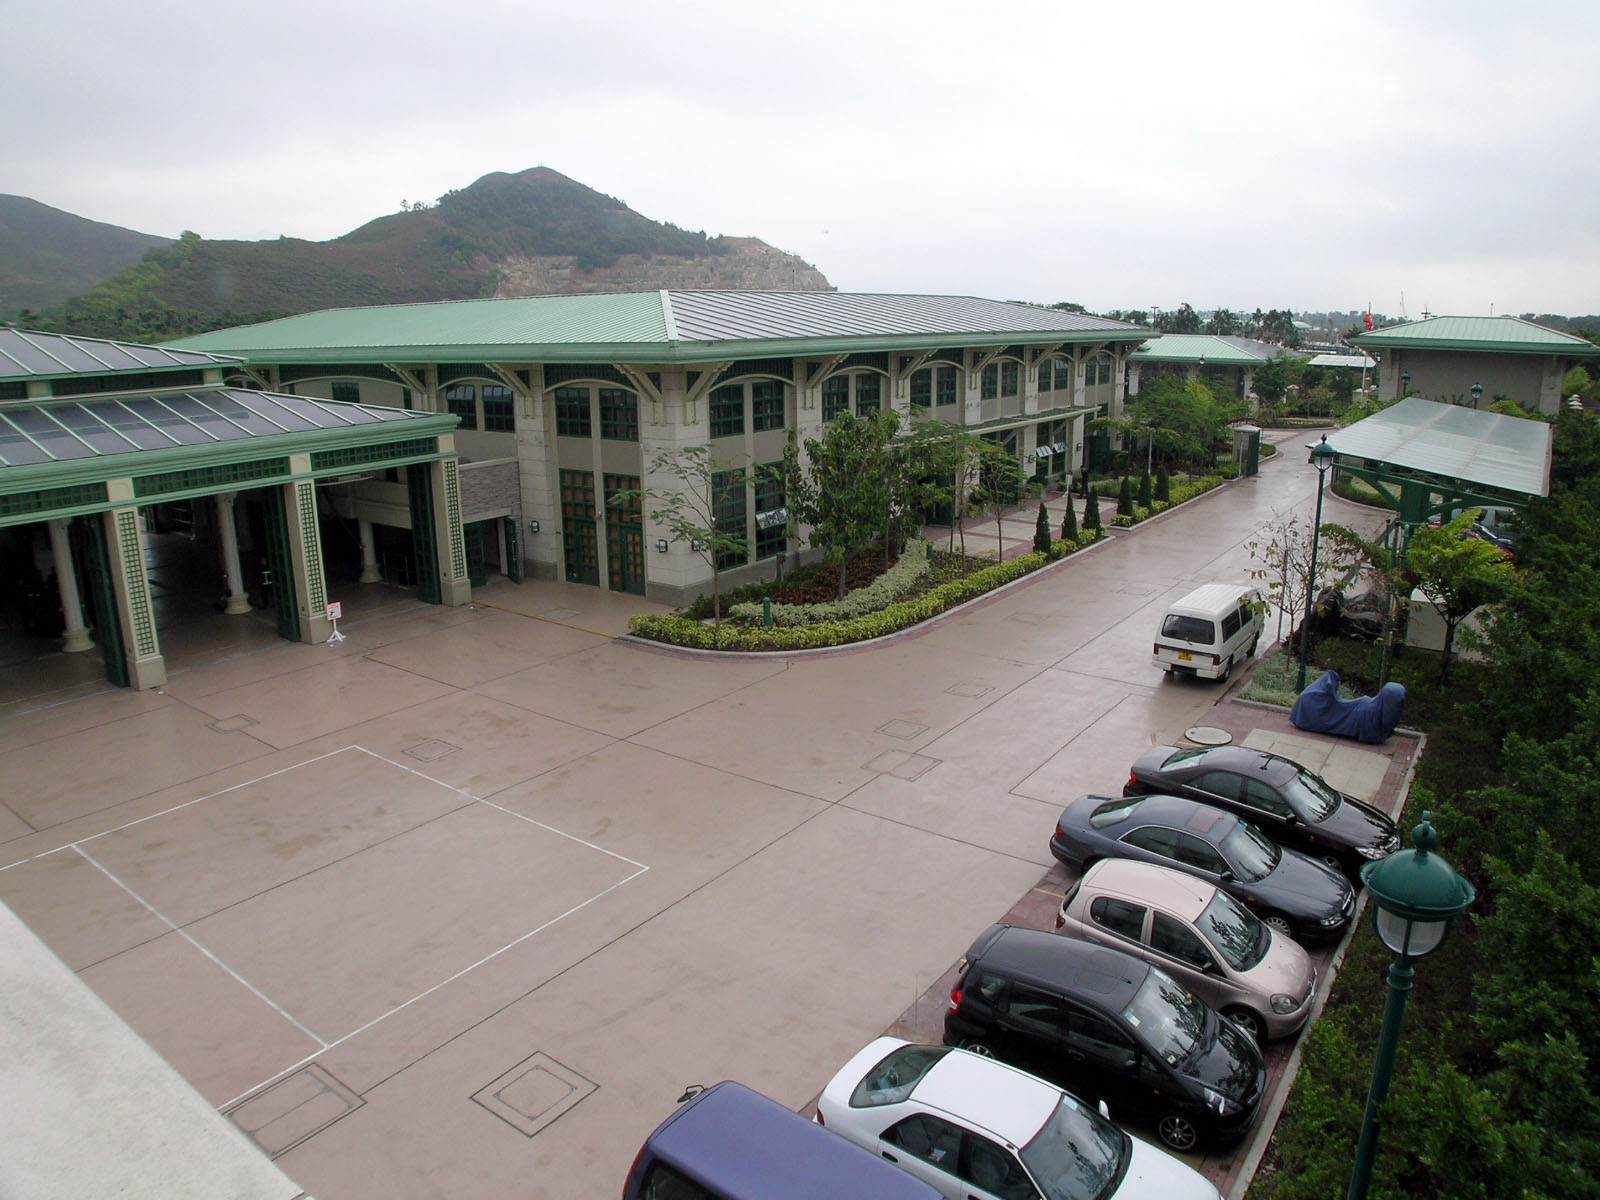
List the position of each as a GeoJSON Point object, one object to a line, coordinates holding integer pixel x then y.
{"type": "Point", "coordinates": [304, 535]}
{"type": "Point", "coordinates": [369, 553]}
{"type": "Point", "coordinates": [131, 590]}
{"type": "Point", "coordinates": [75, 637]}
{"type": "Point", "coordinates": [238, 601]}
{"type": "Point", "coordinates": [454, 587]}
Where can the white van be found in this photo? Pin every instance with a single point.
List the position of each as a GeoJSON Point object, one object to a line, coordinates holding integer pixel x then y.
{"type": "Point", "coordinates": [1210, 630]}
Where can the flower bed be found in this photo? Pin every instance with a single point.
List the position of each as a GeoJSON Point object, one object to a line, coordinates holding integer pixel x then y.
{"type": "Point", "coordinates": [683, 631]}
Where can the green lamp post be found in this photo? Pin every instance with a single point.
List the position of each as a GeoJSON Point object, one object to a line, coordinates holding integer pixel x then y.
{"type": "Point", "coordinates": [1417, 894]}
{"type": "Point", "coordinates": [1322, 459]}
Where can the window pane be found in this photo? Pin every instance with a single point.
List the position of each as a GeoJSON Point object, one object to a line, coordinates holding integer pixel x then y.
{"type": "Point", "coordinates": [947, 386]}
{"type": "Point", "coordinates": [835, 396]}
{"type": "Point", "coordinates": [991, 382]}
{"type": "Point", "coordinates": [728, 509]}
{"type": "Point", "coordinates": [766, 405]}
{"type": "Point", "coordinates": [462, 400]}
{"type": "Point", "coordinates": [497, 414]}
{"type": "Point", "coordinates": [347, 391]}
{"type": "Point", "coordinates": [727, 410]}
{"type": "Point", "coordinates": [619, 415]}
{"type": "Point", "coordinates": [572, 412]}
{"type": "Point", "coordinates": [1010, 378]}
{"type": "Point", "coordinates": [922, 388]}
{"type": "Point", "coordinates": [868, 390]}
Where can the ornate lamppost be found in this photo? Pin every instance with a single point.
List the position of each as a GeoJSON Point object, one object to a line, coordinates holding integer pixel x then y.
{"type": "Point", "coordinates": [1417, 894]}
{"type": "Point", "coordinates": [1322, 459]}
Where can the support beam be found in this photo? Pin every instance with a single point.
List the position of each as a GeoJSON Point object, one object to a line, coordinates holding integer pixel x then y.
{"type": "Point", "coordinates": [237, 601]}
{"type": "Point", "coordinates": [131, 590]}
{"type": "Point", "coordinates": [75, 636]}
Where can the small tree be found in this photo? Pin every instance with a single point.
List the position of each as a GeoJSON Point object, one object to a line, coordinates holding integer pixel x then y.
{"type": "Point", "coordinates": [841, 492]}
{"type": "Point", "coordinates": [1145, 498]}
{"type": "Point", "coordinates": [1458, 573]}
{"type": "Point", "coordinates": [1091, 512]}
{"type": "Point", "coordinates": [1041, 531]}
{"type": "Point", "coordinates": [1125, 498]}
{"type": "Point", "coordinates": [1282, 547]}
{"type": "Point", "coordinates": [1069, 523]}
{"type": "Point", "coordinates": [688, 511]}
{"type": "Point", "coordinates": [1163, 483]}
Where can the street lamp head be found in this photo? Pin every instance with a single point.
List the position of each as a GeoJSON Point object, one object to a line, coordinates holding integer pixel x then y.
{"type": "Point", "coordinates": [1477, 392]}
{"type": "Point", "coordinates": [1417, 894]}
{"type": "Point", "coordinates": [1322, 456]}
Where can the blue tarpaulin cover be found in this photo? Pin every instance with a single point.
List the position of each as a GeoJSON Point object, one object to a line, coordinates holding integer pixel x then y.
{"type": "Point", "coordinates": [1367, 719]}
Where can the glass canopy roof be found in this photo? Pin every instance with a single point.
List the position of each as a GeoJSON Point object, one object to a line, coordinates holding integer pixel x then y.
{"type": "Point", "coordinates": [58, 431]}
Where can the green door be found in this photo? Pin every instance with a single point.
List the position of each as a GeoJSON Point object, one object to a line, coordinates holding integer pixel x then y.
{"type": "Point", "coordinates": [419, 489]}
{"type": "Point", "coordinates": [513, 563]}
{"type": "Point", "coordinates": [92, 565]}
{"type": "Point", "coordinates": [477, 566]}
{"type": "Point", "coordinates": [279, 583]}
{"type": "Point", "coordinates": [625, 535]}
{"type": "Point", "coordinates": [579, 544]}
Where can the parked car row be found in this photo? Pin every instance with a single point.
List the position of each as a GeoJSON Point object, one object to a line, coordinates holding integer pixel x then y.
{"type": "Point", "coordinates": [1181, 957]}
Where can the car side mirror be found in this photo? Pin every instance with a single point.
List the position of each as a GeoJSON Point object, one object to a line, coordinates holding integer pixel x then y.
{"type": "Point", "coordinates": [1226, 876]}
{"type": "Point", "coordinates": [1105, 1110]}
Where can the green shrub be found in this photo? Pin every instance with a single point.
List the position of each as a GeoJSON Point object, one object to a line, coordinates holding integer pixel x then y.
{"type": "Point", "coordinates": [911, 566]}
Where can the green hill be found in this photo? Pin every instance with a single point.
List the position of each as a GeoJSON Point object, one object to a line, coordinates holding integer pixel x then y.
{"type": "Point", "coordinates": [47, 255]}
{"type": "Point", "coordinates": [533, 232]}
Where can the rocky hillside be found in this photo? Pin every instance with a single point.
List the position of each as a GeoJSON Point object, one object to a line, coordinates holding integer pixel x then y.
{"type": "Point", "coordinates": [530, 233]}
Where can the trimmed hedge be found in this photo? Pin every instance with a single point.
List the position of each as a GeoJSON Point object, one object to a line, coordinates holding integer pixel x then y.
{"type": "Point", "coordinates": [681, 631]}
{"type": "Point", "coordinates": [910, 567]}
{"type": "Point", "coordinates": [1180, 493]}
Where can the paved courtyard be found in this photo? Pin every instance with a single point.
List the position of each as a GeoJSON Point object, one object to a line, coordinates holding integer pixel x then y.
{"type": "Point", "coordinates": [457, 907]}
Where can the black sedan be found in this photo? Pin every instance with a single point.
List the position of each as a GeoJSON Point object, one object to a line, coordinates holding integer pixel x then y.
{"type": "Point", "coordinates": [1291, 805]}
{"type": "Point", "coordinates": [1290, 891]}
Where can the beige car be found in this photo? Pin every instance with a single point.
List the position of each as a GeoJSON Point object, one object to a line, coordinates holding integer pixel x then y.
{"type": "Point", "coordinates": [1200, 936]}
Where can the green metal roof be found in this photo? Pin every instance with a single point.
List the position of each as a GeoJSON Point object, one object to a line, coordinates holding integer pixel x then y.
{"type": "Point", "coordinates": [1486, 449]}
{"type": "Point", "coordinates": [653, 327]}
{"type": "Point", "coordinates": [26, 355]}
{"type": "Point", "coordinates": [1213, 350]}
{"type": "Point", "coordinates": [1499, 335]}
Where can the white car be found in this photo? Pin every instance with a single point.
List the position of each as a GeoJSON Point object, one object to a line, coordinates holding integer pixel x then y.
{"type": "Point", "coordinates": [975, 1128]}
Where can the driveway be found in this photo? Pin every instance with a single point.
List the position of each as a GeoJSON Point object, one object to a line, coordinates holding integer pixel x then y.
{"type": "Point", "coordinates": [458, 907]}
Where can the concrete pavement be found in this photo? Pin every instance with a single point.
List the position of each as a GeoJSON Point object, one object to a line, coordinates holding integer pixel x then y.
{"type": "Point", "coordinates": [458, 906]}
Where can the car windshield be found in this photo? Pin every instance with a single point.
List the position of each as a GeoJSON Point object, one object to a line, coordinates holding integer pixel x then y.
{"type": "Point", "coordinates": [891, 1081]}
{"type": "Point", "coordinates": [1168, 1018]}
{"type": "Point", "coordinates": [1078, 1154]}
{"type": "Point", "coordinates": [1311, 797]}
{"type": "Point", "coordinates": [1234, 932]}
{"type": "Point", "coordinates": [1113, 811]}
{"type": "Point", "coordinates": [1251, 854]}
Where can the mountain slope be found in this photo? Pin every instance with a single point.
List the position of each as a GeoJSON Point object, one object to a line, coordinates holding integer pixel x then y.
{"type": "Point", "coordinates": [47, 255]}
{"type": "Point", "coordinates": [530, 233]}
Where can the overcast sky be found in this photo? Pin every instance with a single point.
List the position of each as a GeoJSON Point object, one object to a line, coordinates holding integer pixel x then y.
{"type": "Point", "coordinates": [1119, 155]}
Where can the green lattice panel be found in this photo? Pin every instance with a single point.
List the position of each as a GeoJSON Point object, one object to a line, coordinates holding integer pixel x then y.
{"type": "Point", "coordinates": [360, 456]}
{"type": "Point", "coordinates": [556, 373]}
{"type": "Point", "coordinates": [144, 623]}
{"type": "Point", "coordinates": [452, 512]}
{"type": "Point", "coordinates": [305, 497]}
{"type": "Point", "coordinates": [52, 499]}
{"type": "Point", "coordinates": [210, 478]}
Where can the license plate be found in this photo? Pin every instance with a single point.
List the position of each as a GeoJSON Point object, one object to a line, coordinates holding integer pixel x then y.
{"type": "Point", "coordinates": [1185, 656]}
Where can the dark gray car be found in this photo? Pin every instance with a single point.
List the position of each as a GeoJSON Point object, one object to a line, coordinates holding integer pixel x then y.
{"type": "Point", "coordinates": [1288, 890]}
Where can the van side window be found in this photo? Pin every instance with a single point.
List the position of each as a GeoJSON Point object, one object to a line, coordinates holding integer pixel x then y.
{"type": "Point", "coordinates": [662, 1182]}
{"type": "Point", "coordinates": [1230, 625]}
{"type": "Point", "coordinates": [1119, 916]}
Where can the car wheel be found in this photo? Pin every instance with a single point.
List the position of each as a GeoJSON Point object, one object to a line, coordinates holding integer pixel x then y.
{"type": "Point", "coordinates": [1178, 1132]}
{"type": "Point", "coordinates": [978, 1047]}
{"type": "Point", "coordinates": [1248, 1020]}
{"type": "Point", "coordinates": [1227, 671]}
{"type": "Point", "coordinates": [1331, 860]}
{"type": "Point", "coordinates": [1279, 923]}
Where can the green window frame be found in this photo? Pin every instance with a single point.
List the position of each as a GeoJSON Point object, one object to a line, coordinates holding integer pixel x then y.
{"type": "Point", "coordinates": [773, 540]}
{"type": "Point", "coordinates": [767, 405]}
{"type": "Point", "coordinates": [498, 416]}
{"type": "Point", "coordinates": [869, 394]}
{"type": "Point", "coordinates": [461, 399]}
{"type": "Point", "coordinates": [572, 412]}
{"type": "Point", "coordinates": [728, 513]}
{"type": "Point", "coordinates": [619, 415]}
{"type": "Point", "coordinates": [945, 386]}
{"type": "Point", "coordinates": [1010, 377]}
{"type": "Point", "coordinates": [727, 410]}
{"type": "Point", "coordinates": [347, 391]}
{"type": "Point", "coordinates": [835, 396]}
{"type": "Point", "coordinates": [922, 388]}
{"type": "Point", "coordinates": [990, 385]}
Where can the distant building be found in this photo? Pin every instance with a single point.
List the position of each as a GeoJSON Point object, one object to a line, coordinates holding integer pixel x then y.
{"type": "Point", "coordinates": [1471, 360]}
{"type": "Point", "coordinates": [1230, 361]}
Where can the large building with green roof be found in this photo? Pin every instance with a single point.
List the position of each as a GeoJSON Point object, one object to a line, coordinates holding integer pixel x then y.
{"type": "Point", "coordinates": [1473, 360]}
{"type": "Point", "coordinates": [563, 401]}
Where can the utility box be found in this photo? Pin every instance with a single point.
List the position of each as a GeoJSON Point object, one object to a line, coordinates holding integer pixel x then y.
{"type": "Point", "coordinates": [1247, 449]}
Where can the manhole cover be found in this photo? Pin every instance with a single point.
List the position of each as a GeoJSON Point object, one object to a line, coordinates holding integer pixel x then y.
{"type": "Point", "coordinates": [1207, 735]}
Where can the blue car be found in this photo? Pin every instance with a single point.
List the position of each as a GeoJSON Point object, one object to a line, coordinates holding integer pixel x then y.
{"type": "Point", "coordinates": [1290, 891]}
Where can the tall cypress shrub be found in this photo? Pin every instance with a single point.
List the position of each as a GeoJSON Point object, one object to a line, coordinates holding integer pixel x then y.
{"type": "Point", "coordinates": [1125, 497]}
{"type": "Point", "coordinates": [1144, 490]}
{"type": "Point", "coordinates": [1041, 531]}
{"type": "Point", "coordinates": [1091, 512]}
{"type": "Point", "coordinates": [1069, 523]}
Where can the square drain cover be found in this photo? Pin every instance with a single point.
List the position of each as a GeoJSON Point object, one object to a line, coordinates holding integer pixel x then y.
{"type": "Point", "coordinates": [534, 1093]}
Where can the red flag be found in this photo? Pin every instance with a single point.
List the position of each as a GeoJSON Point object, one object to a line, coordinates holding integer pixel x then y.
{"type": "Point", "coordinates": [1369, 320]}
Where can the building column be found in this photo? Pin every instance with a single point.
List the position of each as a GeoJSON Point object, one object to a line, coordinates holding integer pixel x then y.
{"type": "Point", "coordinates": [75, 637]}
{"type": "Point", "coordinates": [454, 587]}
{"type": "Point", "coordinates": [237, 602]}
{"type": "Point", "coordinates": [131, 590]}
{"type": "Point", "coordinates": [369, 553]}
{"type": "Point", "coordinates": [303, 532]}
